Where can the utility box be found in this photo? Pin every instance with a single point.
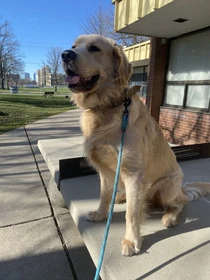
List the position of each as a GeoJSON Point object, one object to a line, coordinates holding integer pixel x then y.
{"type": "Point", "coordinates": [13, 89]}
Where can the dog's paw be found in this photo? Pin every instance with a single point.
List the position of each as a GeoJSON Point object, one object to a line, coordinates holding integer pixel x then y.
{"type": "Point", "coordinates": [95, 216]}
{"type": "Point", "coordinates": [169, 220]}
{"type": "Point", "coordinates": [130, 248]}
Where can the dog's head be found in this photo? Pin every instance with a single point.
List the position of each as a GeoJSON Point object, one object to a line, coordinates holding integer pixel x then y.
{"type": "Point", "coordinates": [95, 64]}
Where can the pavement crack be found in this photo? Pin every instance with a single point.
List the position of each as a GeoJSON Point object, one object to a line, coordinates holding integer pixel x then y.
{"type": "Point", "coordinates": [52, 212]}
{"type": "Point", "coordinates": [26, 222]}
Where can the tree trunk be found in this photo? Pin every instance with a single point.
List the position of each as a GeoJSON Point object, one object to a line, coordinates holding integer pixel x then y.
{"type": "Point", "coordinates": [2, 83]}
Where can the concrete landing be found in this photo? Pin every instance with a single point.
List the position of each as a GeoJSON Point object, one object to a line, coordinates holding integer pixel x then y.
{"type": "Point", "coordinates": [182, 252]}
{"type": "Point", "coordinates": [54, 150]}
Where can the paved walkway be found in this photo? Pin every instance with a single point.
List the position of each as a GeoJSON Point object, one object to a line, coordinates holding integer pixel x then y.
{"type": "Point", "coordinates": [38, 238]}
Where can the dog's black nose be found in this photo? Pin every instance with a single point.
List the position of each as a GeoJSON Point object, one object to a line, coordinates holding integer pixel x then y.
{"type": "Point", "coordinates": [68, 55]}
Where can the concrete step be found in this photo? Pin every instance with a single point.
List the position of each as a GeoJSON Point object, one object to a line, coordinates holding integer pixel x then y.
{"type": "Point", "coordinates": [182, 252]}
{"type": "Point", "coordinates": [55, 150]}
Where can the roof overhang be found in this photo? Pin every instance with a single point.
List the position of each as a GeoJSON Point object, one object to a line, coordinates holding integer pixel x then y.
{"type": "Point", "coordinates": [161, 22]}
{"type": "Point", "coordinates": [144, 62]}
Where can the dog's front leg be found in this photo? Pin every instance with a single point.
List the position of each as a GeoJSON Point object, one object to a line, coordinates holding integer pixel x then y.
{"type": "Point", "coordinates": [131, 244]}
{"type": "Point", "coordinates": [106, 180]}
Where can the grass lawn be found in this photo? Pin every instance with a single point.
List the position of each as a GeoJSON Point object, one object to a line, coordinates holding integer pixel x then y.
{"type": "Point", "coordinates": [17, 110]}
{"type": "Point", "coordinates": [23, 90]}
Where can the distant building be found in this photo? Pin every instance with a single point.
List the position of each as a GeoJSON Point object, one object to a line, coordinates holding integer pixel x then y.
{"type": "Point", "coordinates": [43, 76]}
{"type": "Point", "coordinates": [27, 76]}
{"type": "Point", "coordinates": [34, 77]}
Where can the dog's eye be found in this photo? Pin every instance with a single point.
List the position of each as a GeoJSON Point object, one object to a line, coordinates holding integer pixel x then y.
{"type": "Point", "coordinates": [94, 49]}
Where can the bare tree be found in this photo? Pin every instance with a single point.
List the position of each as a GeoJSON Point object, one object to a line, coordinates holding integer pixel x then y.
{"type": "Point", "coordinates": [16, 69]}
{"type": "Point", "coordinates": [53, 59]}
{"type": "Point", "coordinates": [102, 22]}
{"type": "Point", "coordinates": [10, 56]}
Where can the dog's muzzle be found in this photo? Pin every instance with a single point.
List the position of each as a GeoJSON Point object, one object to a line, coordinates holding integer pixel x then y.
{"type": "Point", "coordinates": [75, 81]}
{"type": "Point", "coordinates": [68, 55]}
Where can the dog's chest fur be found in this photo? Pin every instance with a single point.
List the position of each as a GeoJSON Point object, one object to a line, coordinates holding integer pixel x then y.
{"type": "Point", "coordinates": [102, 132]}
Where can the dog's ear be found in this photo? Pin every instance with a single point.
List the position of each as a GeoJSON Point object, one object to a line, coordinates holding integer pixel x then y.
{"type": "Point", "coordinates": [123, 69]}
{"type": "Point", "coordinates": [133, 90]}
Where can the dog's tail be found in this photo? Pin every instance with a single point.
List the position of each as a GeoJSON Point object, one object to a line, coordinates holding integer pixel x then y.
{"type": "Point", "coordinates": [193, 191]}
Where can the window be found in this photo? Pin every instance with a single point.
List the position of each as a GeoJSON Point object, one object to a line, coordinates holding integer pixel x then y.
{"type": "Point", "coordinates": [139, 77]}
{"type": "Point", "coordinates": [198, 96]}
{"type": "Point", "coordinates": [190, 58]}
{"type": "Point", "coordinates": [175, 95]}
{"type": "Point", "coordinates": [139, 74]}
{"type": "Point", "coordinates": [188, 77]}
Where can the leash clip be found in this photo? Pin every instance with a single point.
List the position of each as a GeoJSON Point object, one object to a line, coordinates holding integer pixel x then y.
{"type": "Point", "coordinates": [126, 104]}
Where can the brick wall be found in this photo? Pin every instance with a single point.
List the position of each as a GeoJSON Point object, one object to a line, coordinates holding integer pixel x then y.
{"type": "Point", "coordinates": [185, 127]}
{"type": "Point", "coordinates": [156, 75]}
{"type": "Point", "coordinates": [179, 126]}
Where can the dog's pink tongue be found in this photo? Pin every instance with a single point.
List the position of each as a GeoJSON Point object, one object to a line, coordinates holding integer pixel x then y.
{"type": "Point", "coordinates": [72, 80]}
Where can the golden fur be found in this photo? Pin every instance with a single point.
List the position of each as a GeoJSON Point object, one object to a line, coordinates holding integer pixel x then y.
{"type": "Point", "coordinates": [149, 170]}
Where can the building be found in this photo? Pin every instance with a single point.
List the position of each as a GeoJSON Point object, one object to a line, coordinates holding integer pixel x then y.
{"type": "Point", "coordinates": [43, 77]}
{"type": "Point", "coordinates": [34, 77]}
{"type": "Point", "coordinates": [38, 78]}
{"type": "Point", "coordinates": [27, 77]}
{"type": "Point", "coordinates": [138, 55]}
{"type": "Point", "coordinates": [178, 87]}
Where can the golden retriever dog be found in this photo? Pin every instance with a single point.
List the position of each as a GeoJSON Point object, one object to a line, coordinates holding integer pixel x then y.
{"type": "Point", "coordinates": [98, 74]}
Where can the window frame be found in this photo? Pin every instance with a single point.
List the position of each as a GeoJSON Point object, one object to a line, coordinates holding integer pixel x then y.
{"type": "Point", "coordinates": [185, 83]}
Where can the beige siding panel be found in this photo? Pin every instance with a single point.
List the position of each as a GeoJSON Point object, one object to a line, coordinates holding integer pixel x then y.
{"type": "Point", "coordinates": [133, 11]}
{"type": "Point", "coordinates": [129, 11]}
{"type": "Point", "coordinates": [138, 52]}
{"type": "Point", "coordinates": [148, 50]}
{"type": "Point", "coordinates": [148, 7]}
{"type": "Point", "coordinates": [143, 52]}
{"type": "Point", "coordinates": [121, 14]}
{"type": "Point", "coordinates": [131, 54]}
{"type": "Point", "coordinates": [116, 16]}
{"type": "Point", "coordinates": [164, 2]}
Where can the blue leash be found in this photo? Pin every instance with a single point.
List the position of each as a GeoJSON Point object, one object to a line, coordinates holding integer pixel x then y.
{"type": "Point", "coordinates": [109, 219]}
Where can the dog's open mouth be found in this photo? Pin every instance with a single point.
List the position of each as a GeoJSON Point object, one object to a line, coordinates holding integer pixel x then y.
{"type": "Point", "coordinates": [78, 83]}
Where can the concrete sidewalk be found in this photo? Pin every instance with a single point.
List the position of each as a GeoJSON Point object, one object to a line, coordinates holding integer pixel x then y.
{"type": "Point", "coordinates": [38, 238]}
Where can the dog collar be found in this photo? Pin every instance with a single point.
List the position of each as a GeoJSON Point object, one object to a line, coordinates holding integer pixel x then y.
{"type": "Point", "coordinates": [114, 103]}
